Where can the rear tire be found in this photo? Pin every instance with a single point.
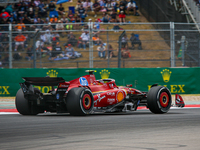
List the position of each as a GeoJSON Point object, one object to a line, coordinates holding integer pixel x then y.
{"type": "Point", "coordinates": [23, 105]}
{"type": "Point", "coordinates": [159, 99]}
{"type": "Point", "coordinates": [79, 101]}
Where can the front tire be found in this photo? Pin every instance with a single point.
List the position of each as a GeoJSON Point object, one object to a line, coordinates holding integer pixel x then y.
{"type": "Point", "coordinates": [79, 101]}
{"type": "Point", "coordinates": [159, 99]}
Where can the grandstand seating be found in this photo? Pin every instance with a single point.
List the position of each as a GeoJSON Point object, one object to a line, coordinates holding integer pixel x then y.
{"type": "Point", "coordinates": [152, 43]}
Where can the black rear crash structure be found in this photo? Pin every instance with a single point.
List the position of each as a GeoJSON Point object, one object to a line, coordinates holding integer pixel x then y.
{"type": "Point", "coordinates": [30, 101]}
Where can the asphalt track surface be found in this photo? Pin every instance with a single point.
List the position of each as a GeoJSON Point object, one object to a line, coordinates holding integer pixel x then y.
{"type": "Point", "coordinates": [179, 129]}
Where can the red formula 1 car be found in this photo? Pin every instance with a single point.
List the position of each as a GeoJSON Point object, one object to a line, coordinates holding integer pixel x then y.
{"type": "Point", "coordinates": [86, 95]}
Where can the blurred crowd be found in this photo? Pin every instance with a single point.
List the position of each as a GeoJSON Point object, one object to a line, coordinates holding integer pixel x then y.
{"type": "Point", "coordinates": [51, 18]}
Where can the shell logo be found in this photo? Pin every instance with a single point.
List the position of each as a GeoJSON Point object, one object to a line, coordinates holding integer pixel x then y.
{"type": "Point", "coordinates": [120, 96]}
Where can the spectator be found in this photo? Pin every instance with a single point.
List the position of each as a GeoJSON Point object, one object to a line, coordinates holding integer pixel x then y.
{"type": "Point", "coordinates": [4, 23]}
{"type": "Point", "coordinates": [5, 45]}
{"type": "Point", "coordinates": [61, 10]}
{"type": "Point", "coordinates": [64, 19]}
{"type": "Point", "coordinates": [110, 51]}
{"type": "Point", "coordinates": [131, 6]}
{"type": "Point", "coordinates": [26, 20]}
{"type": "Point", "coordinates": [78, 20]}
{"type": "Point", "coordinates": [102, 3]}
{"type": "Point", "coordinates": [97, 40]}
{"type": "Point", "coordinates": [43, 37]}
{"type": "Point", "coordinates": [87, 5]}
{"type": "Point", "coordinates": [85, 37]}
{"type": "Point", "coordinates": [90, 24]}
{"type": "Point", "coordinates": [52, 6]}
{"type": "Point", "coordinates": [109, 6]}
{"type": "Point", "coordinates": [17, 56]}
{"type": "Point", "coordinates": [70, 35]}
{"type": "Point", "coordinates": [101, 51]}
{"type": "Point", "coordinates": [124, 41]}
{"type": "Point", "coordinates": [122, 17]}
{"type": "Point", "coordinates": [4, 14]}
{"type": "Point", "coordinates": [39, 44]}
{"type": "Point", "coordinates": [135, 40]}
{"type": "Point", "coordinates": [80, 43]}
{"type": "Point", "coordinates": [31, 13]}
{"type": "Point", "coordinates": [59, 25]}
{"type": "Point", "coordinates": [47, 24]}
{"type": "Point", "coordinates": [95, 31]}
{"type": "Point", "coordinates": [125, 53]}
{"type": "Point", "coordinates": [35, 18]}
{"type": "Point", "coordinates": [20, 26]}
{"type": "Point", "coordinates": [69, 51]}
{"type": "Point", "coordinates": [53, 19]}
{"type": "Point", "coordinates": [122, 6]}
{"type": "Point", "coordinates": [106, 18]}
{"type": "Point", "coordinates": [29, 54]}
{"type": "Point", "coordinates": [71, 16]}
{"type": "Point", "coordinates": [97, 24]}
{"type": "Point", "coordinates": [19, 40]}
{"type": "Point", "coordinates": [31, 4]}
{"type": "Point", "coordinates": [39, 24]}
{"type": "Point", "coordinates": [56, 36]}
{"type": "Point", "coordinates": [69, 26]}
{"type": "Point", "coordinates": [96, 7]}
{"type": "Point", "coordinates": [36, 2]}
{"type": "Point", "coordinates": [72, 40]}
{"type": "Point", "coordinates": [116, 27]}
{"type": "Point", "coordinates": [114, 5]}
{"type": "Point", "coordinates": [42, 10]}
{"type": "Point", "coordinates": [103, 9]}
{"type": "Point", "coordinates": [113, 16]}
{"type": "Point", "coordinates": [21, 10]}
{"type": "Point", "coordinates": [12, 19]}
{"type": "Point", "coordinates": [48, 36]}
{"type": "Point", "coordinates": [9, 8]}
{"type": "Point", "coordinates": [77, 6]}
{"type": "Point", "coordinates": [56, 51]}
{"type": "Point", "coordinates": [82, 13]}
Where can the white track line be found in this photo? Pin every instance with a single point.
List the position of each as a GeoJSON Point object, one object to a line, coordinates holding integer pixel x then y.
{"type": "Point", "coordinates": [8, 113]}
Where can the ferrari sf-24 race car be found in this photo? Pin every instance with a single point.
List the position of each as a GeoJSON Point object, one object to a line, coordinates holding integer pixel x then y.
{"type": "Point", "coordinates": [86, 95]}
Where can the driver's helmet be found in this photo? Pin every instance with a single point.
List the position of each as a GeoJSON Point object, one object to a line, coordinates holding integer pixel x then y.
{"type": "Point", "coordinates": [111, 86]}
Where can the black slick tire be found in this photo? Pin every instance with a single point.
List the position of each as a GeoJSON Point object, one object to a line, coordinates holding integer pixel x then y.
{"type": "Point", "coordinates": [79, 101]}
{"type": "Point", "coordinates": [23, 105]}
{"type": "Point", "coordinates": [159, 99]}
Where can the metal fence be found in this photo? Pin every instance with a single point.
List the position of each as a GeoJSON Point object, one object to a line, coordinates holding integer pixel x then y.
{"type": "Point", "coordinates": [166, 44]}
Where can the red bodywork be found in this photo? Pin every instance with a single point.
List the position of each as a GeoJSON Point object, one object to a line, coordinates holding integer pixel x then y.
{"type": "Point", "coordinates": [105, 92]}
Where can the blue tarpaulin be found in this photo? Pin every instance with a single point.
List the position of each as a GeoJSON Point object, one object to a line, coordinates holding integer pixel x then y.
{"type": "Point", "coordinates": [62, 1]}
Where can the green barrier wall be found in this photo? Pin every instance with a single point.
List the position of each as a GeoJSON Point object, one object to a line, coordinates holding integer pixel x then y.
{"type": "Point", "coordinates": [178, 80]}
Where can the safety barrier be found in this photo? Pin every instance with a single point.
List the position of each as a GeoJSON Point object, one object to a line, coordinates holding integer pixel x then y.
{"type": "Point", "coordinates": [178, 80]}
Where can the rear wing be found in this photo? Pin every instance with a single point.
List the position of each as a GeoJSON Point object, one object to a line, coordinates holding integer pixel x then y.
{"type": "Point", "coordinates": [27, 86]}
{"type": "Point", "coordinates": [43, 81]}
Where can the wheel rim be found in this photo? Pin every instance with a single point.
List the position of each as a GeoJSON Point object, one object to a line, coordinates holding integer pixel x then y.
{"type": "Point", "coordinates": [164, 99]}
{"type": "Point", "coordinates": [87, 101]}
